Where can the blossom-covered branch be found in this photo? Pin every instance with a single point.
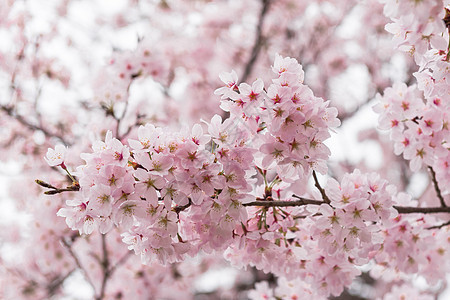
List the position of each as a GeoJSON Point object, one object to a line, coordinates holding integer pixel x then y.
{"type": "Point", "coordinates": [400, 209]}
{"type": "Point", "coordinates": [154, 176]}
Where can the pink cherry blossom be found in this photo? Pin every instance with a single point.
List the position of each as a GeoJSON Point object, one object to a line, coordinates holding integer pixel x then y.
{"type": "Point", "coordinates": [55, 157]}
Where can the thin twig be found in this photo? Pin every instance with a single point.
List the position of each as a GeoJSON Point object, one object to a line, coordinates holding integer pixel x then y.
{"type": "Point", "coordinates": [322, 191]}
{"type": "Point", "coordinates": [439, 226]}
{"type": "Point", "coordinates": [120, 262]}
{"type": "Point", "coordinates": [125, 109]}
{"type": "Point", "coordinates": [137, 123]}
{"type": "Point", "coordinates": [258, 42]}
{"type": "Point", "coordinates": [10, 112]}
{"type": "Point", "coordinates": [301, 202]}
{"type": "Point", "coordinates": [73, 188]}
{"type": "Point", "coordinates": [54, 190]}
{"type": "Point", "coordinates": [436, 187]}
{"type": "Point", "coordinates": [77, 261]}
{"type": "Point", "coordinates": [105, 268]}
{"type": "Point", "coordinates": [56, 283]}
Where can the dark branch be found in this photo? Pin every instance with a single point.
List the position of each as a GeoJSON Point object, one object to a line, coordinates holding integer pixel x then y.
{"type": "Point", "coordinates": [322, 191]}
{"type": "Point", "coordinates": [54, 190]}
{"type": "Point", "coordinates": [74, 188]}
{"type": "Point", "coordinates": [423, 210]}
{"type": "Point", "coordinates": [258, 42]}
{"type": "Point", "coordinates": [56, 283]}
{"type": "Point", "coordinates": [68, 247]}
{"type": "Point", "coordinates": [179, 209]}
{"type": "Point", "coordinates": [120, 262]}
{"type": "Point", "coordinates": [300, 202]}
{"type": "Point", "coordinates": [105, 268]}
{"type": "Point", "coordinates": [439, 226]}
{"type": "Point", "coordinates": [436, 187]}
{"type": "Point", "coordinates": [9, 110]}
{"type": "Point", "coordinates": [304, 201]}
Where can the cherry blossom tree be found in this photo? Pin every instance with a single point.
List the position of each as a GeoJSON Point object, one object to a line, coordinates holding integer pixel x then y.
{"type": "Point", "coordinates": [152, 144]}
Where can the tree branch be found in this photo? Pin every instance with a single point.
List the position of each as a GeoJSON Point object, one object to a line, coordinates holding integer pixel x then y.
{"type": "Point", "coordinates": [258, 42]}
{"type": "Point", "coordinates": [120, 262]}
{"type": "Point", "coordinates": [105, 268]}
{"type": "Point", "coordinates": [322, 191]}
{"type": "Point", "coordinates": [436, 187]}
{"type": "Point", "coordinates": [439, 226]}
{"type": "Point", "coordinates": [54, 190]}
{"type": "Point", "coordinates": [423, 210]}
{"type": "Point", "coordinates": [179, 208]}
{"type": "Point", "coordinates": [304, 201]}
{"type": "Point", "coordinates": [10, 112]}
{"type": "Point", "coordinates": [56, 283]}
{"type": "Point", "coordinates": [300, 202]}
{"type": "Point", "coordinates": [68, 247]}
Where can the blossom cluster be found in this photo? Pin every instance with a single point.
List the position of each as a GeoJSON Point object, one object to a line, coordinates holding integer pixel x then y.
{"type": "Point", "coordinates": [326, 245]}
{"type": "Point", "coordinates": [419, 130]}
{"type": "Point", "coordinates": [417, 115]}
{"type": "Point", "coordinates": [123, 68]}
{"type": "Point", "coordinates": [244, 183]}
{"type": "Point", "coordinates": [291, 121]}
{"type": "Point", "coordinates": [417, 25]}
{"type": "Point", "coordinates": [173, 193]}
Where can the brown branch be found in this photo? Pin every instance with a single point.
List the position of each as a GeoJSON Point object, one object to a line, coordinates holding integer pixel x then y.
{"type": "Point", "coordinates": [127, 132]}
{"type": "Point", "coordinates": [68, 247]}
{"type": "Point", "coordinates": [119, 119]}
{"type": "Point", "coordinates": [109, 110]}
{"type": "Point", "coordinates": [45, 184]}
{"type": "Point", "coordinates": [258, 42]}
{"type": "Point", "coordinates": [270, 203]}
{"type": "Point", "coordinates": [304, 201]}
{"type": "Point", "coordinates": [54, 190]}
{"type": "Point", "coordinates": [436, 187]}
{"type": "Point", "coordinates": [439, 226]}
{"type": "Point", "coordinates": [55, 284]}
{"type": "Point", "coordinates": [179, 209]}
{"type": "Point", "coordinates": [120, 262]}
{"type": "Point", "coordinates": [74, 188]}
{"type": "Point", "coordinates": [10, 112]}
{"type": "Point", "coordinates": [322, 191]}
{"type": "Point", "coordinates": [423, 210]}
{"type": "Point", "coordinates": [300, 202]}
{"type": "Point", "coordinates": [105, 268]}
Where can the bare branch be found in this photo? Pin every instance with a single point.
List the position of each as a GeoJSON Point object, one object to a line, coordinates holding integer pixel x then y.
{"type": "Point", "coordinates": [436, 187]}
{"type": "Point", "coordinates": [69, 249]}
{"type": "Point", "coordinates": [322, 191]}
{"type": "Point", "coordinates": [120, 262]}
{"type": "Point", "coordinates": [300, 202]}
{"type": "Point", "coordinates": [304, 201]}
{"type": "Point", "coordinates": [54, 190]}
{"type": "Point", "coordinates": [9, 110]}
{"type": "Point", "coordinates": [439, 226]}
{"type": "Point", "coordinates": [179, 209]}
{"type": "Point", "coordinates": [56, 283]}
{"type": "Point", "coordinates": [423, 210]}
{"type": "Point", "coordinates": [259, 41]}
{"type": "Point", "coordinates": [105, 268]}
